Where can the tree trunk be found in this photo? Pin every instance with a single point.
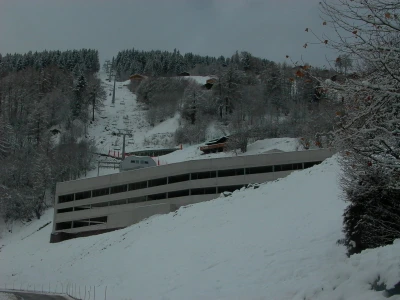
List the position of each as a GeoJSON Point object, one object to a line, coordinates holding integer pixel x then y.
{"type": "Point", "coordinates": [93, 106]}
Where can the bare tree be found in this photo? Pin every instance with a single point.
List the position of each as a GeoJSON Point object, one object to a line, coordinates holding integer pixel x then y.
{"type": "Point", "coordinates": [367, 129]}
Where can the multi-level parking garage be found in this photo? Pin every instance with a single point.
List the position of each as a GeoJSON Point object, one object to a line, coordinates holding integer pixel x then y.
{"type": "Point", "coordinates": [109, 202]}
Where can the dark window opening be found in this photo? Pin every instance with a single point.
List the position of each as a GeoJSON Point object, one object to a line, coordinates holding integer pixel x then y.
{"type": "Point", "coordinates": [277, 168]}
{"type": "Point", "coordinates": [179, 178]}
{"type": "Point", "coordinates": [102, 204]}
{"type": "Point", "coordinates": [137, 199]}
{"type": "Point", "coordinates": [83, 207]}
{"type": "Point", "coordinates": [99, 220]}
{"type": "Point", "coordinates": [156, 197]}
{"type": "Point", "coordinates": [258, 170]}
{"type": "Point", "coordinates": [101, 192]}
{"type": "Point", "coordinates": [80, 223]}
{"type": "Point", "coordinates": [176, 194]}
{"type": "Point", "coordinates": [297, 166]}
{"type": "Point", "coordinates": [63, 225]}
{"type": "Point", "coordinates": [138, 185]}
{"type": "Point", "coordinates": [204, 175]}
{"type": "Point", "coordinates": [64, 210]}
{"type": "Point", "coordinates": [231, 172]}
{"type": "Point", "coordinates": [204, 191]}
{"type": "Point", "coordinates": [66, 198]}
{"type": "Point", "coordinates": [118, 202]}
{"type": "Point", "coordinates": [83, 195]}
{"type": "Point", "coordinates": [157, 182]}
{"type": "Point", "coordinates": [118, 189]}
{"type": "Point", "coordinates": [311, 164]}
{"type": "Point", "coordinates": [288, 167]}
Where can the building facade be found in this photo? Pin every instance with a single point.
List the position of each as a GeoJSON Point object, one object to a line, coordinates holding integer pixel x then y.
{"type": "Point", "coordinates": [94, 205]}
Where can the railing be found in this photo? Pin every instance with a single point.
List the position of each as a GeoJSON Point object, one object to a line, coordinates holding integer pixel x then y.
{"type": "Point", "coordinates": [73, 291]}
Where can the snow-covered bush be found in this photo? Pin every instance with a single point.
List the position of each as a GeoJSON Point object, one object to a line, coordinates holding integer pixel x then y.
{"type": "Point", "coordinates": [368, 129]}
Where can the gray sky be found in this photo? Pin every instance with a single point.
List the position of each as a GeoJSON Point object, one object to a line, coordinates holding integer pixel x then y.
{"type": "Point", "coordinates": [266, 28]}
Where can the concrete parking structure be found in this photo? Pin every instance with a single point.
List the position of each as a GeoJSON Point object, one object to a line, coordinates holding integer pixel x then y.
{"type": "Point", "coordinates": [94, 205]}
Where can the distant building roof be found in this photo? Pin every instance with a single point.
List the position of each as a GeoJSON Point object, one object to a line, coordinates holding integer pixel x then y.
{"type": "Point", "coordinates": [212, 81]}
{"type": "Point", "coordinates": [137, 77]}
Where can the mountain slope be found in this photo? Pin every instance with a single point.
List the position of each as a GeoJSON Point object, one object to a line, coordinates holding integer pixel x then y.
{"type": "Point", "coordinates": [274, 242]}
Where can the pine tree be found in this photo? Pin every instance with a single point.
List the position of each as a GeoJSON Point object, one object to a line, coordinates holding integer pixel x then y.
{"type": "Point", "coordinates": [78, 101]}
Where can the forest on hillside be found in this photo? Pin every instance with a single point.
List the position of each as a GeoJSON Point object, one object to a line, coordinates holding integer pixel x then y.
{"type": "Point", "coordinates": [251, 98]}
{"type": "Point", "coordinates": [46, 100]}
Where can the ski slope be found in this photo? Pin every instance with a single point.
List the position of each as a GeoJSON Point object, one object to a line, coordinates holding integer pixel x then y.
{"type": "Point", "coordinates": [127, 113]}
{"type": "Point", "coordinates": [276, 242]}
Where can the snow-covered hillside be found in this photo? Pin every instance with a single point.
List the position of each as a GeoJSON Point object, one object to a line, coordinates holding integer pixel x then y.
{"type": "Point", "coordinates": [127, 113]}
{"type": "Point", "coordinates": [276, 242]}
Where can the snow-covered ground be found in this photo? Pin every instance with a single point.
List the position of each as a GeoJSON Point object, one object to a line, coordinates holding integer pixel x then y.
{"type": "Point", "coordinates": [274, 242]}
{"type": "Point", "coordinates": [7, 296]}
{"type": "Point", "coordinates": [262, 146]}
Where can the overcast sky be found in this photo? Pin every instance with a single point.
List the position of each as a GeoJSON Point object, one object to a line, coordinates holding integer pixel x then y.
{"type": "Point", "coordinates": [266, 28]}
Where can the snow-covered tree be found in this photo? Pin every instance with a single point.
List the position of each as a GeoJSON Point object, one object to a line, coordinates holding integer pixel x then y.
{"type": "Point", "coordinates": [368, 129]}
{"type": "Point", "coordinates": [79, 93]}
{"type": "Point", "coordinates": [192, 98]}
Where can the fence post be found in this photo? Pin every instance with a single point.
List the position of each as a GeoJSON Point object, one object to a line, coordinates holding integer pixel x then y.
{"type": "Point", "coordinates": [105, 294]}
{"type": "Point", "coordinates": [94, 292]}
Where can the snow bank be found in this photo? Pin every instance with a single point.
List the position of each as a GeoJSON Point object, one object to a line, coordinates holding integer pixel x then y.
{"type": "Point", "coordinates": [274, 242]}
{"type": "Point", "coordinates": [6, 296]}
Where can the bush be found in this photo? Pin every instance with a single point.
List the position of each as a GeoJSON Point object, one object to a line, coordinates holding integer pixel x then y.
{"type": "Point", "coordinates": [372, 218]}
